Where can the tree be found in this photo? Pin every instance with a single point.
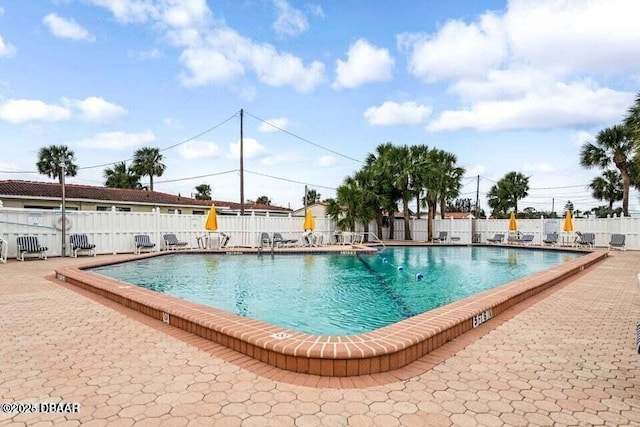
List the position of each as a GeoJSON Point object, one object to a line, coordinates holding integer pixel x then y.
{"type": "Point", "coordinates": [613, 145]}
{"type": "Point", "coordinates": [148, 161]}
{"type": "Point", "coordinates": [504, 195]}
{"type": "Point", "coordinates": [120, 176]}
{"type": "Point", "coordinates": [263, 200]}
{"type": "Point", "coordinates": [50, 158]}
{"type": "Point", "coordinates": [568, 206]}
{"type": "Point", "coordinates": [382, 181]}
{"type": "Point", "coordinates": [203, 192]}
{"type": "Point", "coordinates": [632, 121]}
{"type": "Point", "coordinates": [312, 196]}
{"type": "Point", "coordinates": [608, 187]}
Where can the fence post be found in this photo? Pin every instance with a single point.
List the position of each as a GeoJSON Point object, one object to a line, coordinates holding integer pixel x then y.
{"type": "Point", "coordinates": [112, 229]}
{"type": "Point", "coordinates": [156, 211]}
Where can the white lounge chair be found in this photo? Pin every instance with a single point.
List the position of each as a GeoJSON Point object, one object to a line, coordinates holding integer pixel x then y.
{"type": "Point", "coordinates": [171, 242]}
{"type": "Point", "coordinates": [617, 241]}
{"type": "Point", "coordinates": [442, 237]}
{"type": "Point", "coordinates": [143, 243]}
{"type": "Point", "coordinates": [80, 243]}
{"type": "Point", "coordinates": [551, 239]}
{"type": "Point", "coordinates": [4, 248]}
{"type": "Point", "coordinates": [30, 245]}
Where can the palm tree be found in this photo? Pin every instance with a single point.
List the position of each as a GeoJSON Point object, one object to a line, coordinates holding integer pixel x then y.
{"type": "Point", "coordinates": [506, 193]}
{"type": "Point", "coordinates": [50, 158]}
{"type": "Point", "coordinates": [451, 180]}
{"type": "Point", "coordinates": [633, 119]}
{"type": "Point", "coordinates": [419, 160]}
{"type": "Point", "coordinates": [263, 200]}
{"type": "Point", "coordinates": [382, 180]}
{"type": "Point", "coordinates": [612, 145]}
{"type": "Point", "coordinates": [400, 168]}
{"type": "Point", "coordinates": [203, 192]}
{"type": "Point", "coordinates": [608, 187]}
{"type": "Point", "coordinates": [311, 197]}
{"type": "Point", "coordinates": [121, 177]}
{"type": "Point", "coordinates": [148, 161]}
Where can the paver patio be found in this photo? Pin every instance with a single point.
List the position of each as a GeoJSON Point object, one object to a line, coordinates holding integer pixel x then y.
{"type": "Point", "coordinates": [567, 357]}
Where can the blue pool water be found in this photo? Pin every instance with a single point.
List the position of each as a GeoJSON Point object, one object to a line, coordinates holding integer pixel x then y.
{"type": "Point", "coordinates": [335, 294]}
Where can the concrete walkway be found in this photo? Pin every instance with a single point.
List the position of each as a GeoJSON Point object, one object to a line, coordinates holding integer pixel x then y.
{"type": "Point", "coordinates": [567, 358]}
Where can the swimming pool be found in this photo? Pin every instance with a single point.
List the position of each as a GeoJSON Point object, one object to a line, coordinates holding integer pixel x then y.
{"type": "Point", "coordinates": [335, 294]}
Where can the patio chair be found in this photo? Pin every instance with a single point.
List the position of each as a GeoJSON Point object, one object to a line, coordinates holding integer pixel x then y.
{"type": "Point", "coordinates": [4, 248]}
{"type": "Point", "coordinates": [442, 237]}
{"type": "Point", "coordinates": [80, 243]}
{"type": "Point", "coordinates": [617, 241]}
{"type": "Point", "coordinates": [551, 239]}
{"type": "Point", "coordinates": [586, 239]}
{"type": "Point", "coordinates": [171, 242]}
{"type": "Point", "coordinates": [224, 240]}
{"type": "Point", "coordinates": [30, 245]}
{"type": "Point", "coordinates": [278, 240]}
{"type": "Point", "coordinates": [265, 241]}
{"type": "Point", "coordinates": [143, 242]}
{"type": "Point", "coordinates": [498, 238]}
{"type": "Point", "coordinates": [526, 239]}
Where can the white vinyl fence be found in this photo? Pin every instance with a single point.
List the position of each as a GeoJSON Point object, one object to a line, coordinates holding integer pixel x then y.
{"type": "Point", "coordinates": [112, 232]}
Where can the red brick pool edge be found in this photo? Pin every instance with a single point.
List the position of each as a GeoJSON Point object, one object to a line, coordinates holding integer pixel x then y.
{"type": "Point", "coordinates": [382, 350]}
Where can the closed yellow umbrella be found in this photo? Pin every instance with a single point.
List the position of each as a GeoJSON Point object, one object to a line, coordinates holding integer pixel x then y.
{"type": "Point", "coordinates": [212, 220]}
{"type": "Point", "coordinates": [309, 221]}
{"type": "Point", "coordinates": [568, 223]}
{"type": "Point", "coordinates": [513, 225]}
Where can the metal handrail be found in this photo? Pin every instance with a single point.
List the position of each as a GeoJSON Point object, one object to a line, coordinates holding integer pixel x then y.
{"type": "Point", "coordinates": [371, 233]}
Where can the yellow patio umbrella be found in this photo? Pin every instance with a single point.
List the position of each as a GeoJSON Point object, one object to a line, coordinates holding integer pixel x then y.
{"type": "Point", "coordinates": [513, 225]}
{"type": "Point", "coordinates": [309, 221]}
{"type": "Point", "coordinates": [568, 224]}
{"type": "Point", "coordinates": [212, 220]}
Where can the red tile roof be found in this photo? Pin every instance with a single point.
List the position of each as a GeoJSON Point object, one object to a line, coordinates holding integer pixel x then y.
{"type": "Point", "coordinates": [122, 195]}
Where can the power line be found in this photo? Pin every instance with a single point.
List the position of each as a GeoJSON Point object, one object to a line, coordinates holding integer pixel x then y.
{"type": "Point", "coordinates": [304, 139]}
{"type": "Point", "coordinates": [291, 180]}
{"type": "Point", "coordinates": [196, 177]}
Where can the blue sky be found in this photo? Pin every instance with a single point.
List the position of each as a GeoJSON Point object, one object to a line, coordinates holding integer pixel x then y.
{"type": "Point", "coordinates": [516, 85]}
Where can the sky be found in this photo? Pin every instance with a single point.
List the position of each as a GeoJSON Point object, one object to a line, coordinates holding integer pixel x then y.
{"type": "Point", "coordinates": [505, 86]}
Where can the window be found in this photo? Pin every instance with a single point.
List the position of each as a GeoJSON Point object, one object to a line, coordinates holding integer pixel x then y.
{"type": "Point", "coordinates": [103, 208]}
{"type": "Point", "coordinates": [198, 212]}
{"type": "Point", "coordinates": [172, 211]}
{"type": "Point", "coordinates": [119, 209]}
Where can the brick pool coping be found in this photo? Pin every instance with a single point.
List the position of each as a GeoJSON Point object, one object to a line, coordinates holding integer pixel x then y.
{"type": "Point", "coordinates": [382, 350]}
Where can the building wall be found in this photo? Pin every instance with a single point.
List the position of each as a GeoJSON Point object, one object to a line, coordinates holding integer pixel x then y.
{"type": "Point", "coordinates": [93, 206]}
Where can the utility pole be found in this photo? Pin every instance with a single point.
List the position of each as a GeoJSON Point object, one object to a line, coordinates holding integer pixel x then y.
{"type": "Point", "coordinates": [241, 163]}
{"type": "Point", "coordinates": [305, 200]}
{"type": "Point", "coordinates": [553, 201]}
{"type": "Point", "coordinates": [478, 198]}
{"type": "Point", "coordinates": [63, 209]}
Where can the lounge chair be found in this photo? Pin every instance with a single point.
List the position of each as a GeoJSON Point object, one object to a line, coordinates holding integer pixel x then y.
{"type": "Point", "coordinates": [224, 240]}
{"type": "Point", "coordinates": [617, 241]}
{"type": "Point", "coordinates": [265, 241]}
{"type": "Point", "coordinates": [4, 248]}
{"type": "Point", "coordinates": [171, 242]}
{"type": "Point", "coordinates": [80, 243]}
{"type": "Point", "coordinates": [143, 242]}
{"type": "Point", "coordinates": [30, 245]}
{"type": "Point", "coordinates": [586, 239]}
{"type": "Point", "coordinates": [278, 240]}
{"type": "Point", "coordinates": [442, 237]}
{"type": "Point", "coordinates": [498, 238]}
{"type": "Point", "coordinates": [526, 239]}
{"type": "Point", "coordinates": [551, 239]}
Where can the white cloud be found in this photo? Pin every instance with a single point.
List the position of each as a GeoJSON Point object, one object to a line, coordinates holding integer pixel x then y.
{"type": "Point", "coordinates": [143, 55]}
{"type": "Point", "coordinates": [129, 11]}
{"type": "Point", "coordinates": [275, 159]}
{"type": "Point", "coordinates": [543, 108]}
{"type": "Point", "coordinates": [252, 149]}
{"type": "Point", "coordinates": [96, 109]}
{"type": "Point", "coordinates": [198, 150]}
{"type": "Point", "coordinates": [394, 114]}
{"type": "Point", "coordinates": [66, 28]}
{"type": "Point", "coordinates": [280, 122]}
{"type": "Point", "coordinates": [457, 50]}
{"type": "Point", "coordinates": [290, 21]}
{"type": "Point", "coordinates": [325, 161]}
{"type": "Point", "coordinates": [213, 53]}
{"type": "Point", "coordinates": [538, 168]}
{"type": "Point", "coordinates": [7, 50]}
{"type": "Point", "coordinates": [316, 10]}
{"type": "Point", "coordinates": [24, 110]}
{"type": "Point", "coordinates": [578, 139]}
{"type": "Point", "coordinates": [116, 140]}
{"type": "Point", "coordinates": [365, 64]}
